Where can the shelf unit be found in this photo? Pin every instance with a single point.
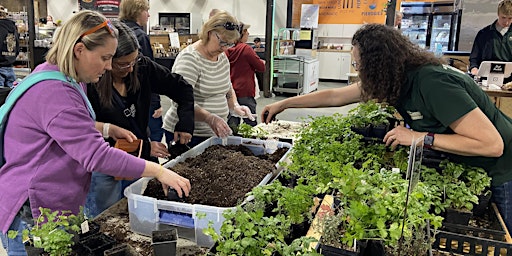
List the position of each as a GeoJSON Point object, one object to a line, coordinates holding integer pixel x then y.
{"type": "Point", "coordinates": [288, 74]}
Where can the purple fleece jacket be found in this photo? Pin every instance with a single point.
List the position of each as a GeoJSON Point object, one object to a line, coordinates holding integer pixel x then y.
{"type": "Point", "coordinates": [51, 147]}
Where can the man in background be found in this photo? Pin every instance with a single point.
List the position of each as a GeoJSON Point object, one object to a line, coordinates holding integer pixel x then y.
{"type": "Point", "coordinates": [135, 14]}
{"type": "Point", "coordinates": [494, 42]}
{"type": "Point", "coordinates": [9, 46]}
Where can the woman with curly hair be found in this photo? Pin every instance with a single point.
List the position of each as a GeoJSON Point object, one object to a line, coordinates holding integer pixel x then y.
{"type": "Point", "coordinates": [440, 104]}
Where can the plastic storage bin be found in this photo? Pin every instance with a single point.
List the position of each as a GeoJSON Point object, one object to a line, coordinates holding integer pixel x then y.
{"type": "Point", "coordinates": [147, 214]}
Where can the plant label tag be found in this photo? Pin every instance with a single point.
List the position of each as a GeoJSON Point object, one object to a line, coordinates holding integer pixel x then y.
{"type": "Point", "coordinates": [37, 242]}
{"type": "Point", "coordinates": [85, 227]}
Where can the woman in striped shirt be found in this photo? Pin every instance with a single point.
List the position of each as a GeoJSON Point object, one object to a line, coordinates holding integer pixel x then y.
{"type": "Point", "coordinates": [205, 66]}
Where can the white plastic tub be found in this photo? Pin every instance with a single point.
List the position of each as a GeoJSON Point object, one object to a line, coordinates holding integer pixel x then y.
{"type": "Point", "coordinates": [146, 213]}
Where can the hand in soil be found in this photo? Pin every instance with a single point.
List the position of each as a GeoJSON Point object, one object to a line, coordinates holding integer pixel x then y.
{"type": "Point", "coordinates": [222, 175]}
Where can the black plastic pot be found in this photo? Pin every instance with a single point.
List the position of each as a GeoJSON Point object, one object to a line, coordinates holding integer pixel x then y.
{"type": "Point", "coordinates": [96, 244]}
{"type": "Point", "coordinates": [164, 242]}
{"type": "Point", "coordinates": [379, 131]}
{"type": "Point", "coordinates": [33, 251]}
{"type": "Point", "coordinates": [457, 217]}
{"type": "Point", "coordinates": [365, 131]}
{"type": "Point", "coordinates": [94, 228]}
{"type": "Point", "coordinates": [483, 203]}
{"type": "Point", "coordinates": [172, 195]}
{"type": "Point", "coordinates": [333, 251]}
{"type": "Point", "coordinates": [121, 250]}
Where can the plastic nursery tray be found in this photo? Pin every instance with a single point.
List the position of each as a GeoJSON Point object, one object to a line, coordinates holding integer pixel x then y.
{"type": "Point", "coordinates": [467, 240]}
{"type": "Point", "coordinates": [148, 214]}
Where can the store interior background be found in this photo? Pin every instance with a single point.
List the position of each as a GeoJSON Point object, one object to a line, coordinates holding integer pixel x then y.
{"type": "Point", "coordinates": [476, 13]}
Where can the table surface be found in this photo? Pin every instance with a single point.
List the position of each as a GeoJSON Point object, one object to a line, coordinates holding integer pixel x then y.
{"type": "Point", "coordinates": [118, 214]}
{"type": "Point", "coordinates": [497, 92]}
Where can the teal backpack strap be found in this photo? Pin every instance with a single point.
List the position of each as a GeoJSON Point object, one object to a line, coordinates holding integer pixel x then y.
{"type": "Point", "coordinates": [35, 78]}
{"type": "Point", "coordinates": [22, 87]}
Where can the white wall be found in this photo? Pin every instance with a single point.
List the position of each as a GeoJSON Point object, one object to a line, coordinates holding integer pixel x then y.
{"type": "Point", "coordinates": [252, 12]}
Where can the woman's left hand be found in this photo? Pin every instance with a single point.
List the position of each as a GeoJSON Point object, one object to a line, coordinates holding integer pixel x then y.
{"type": "Point", "coordinates": [115, 132]}
{"type": "Point", "coordinates": [401, 136]}
{"type": "Point", "coordinates": [158, 149]}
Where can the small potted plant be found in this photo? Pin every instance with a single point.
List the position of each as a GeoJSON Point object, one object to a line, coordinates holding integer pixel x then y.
{"type": "Point", "coordinates": [53, 231]}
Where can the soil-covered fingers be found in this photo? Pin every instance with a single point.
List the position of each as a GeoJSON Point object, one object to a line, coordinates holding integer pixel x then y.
{"type": "Point", "coordinates": [179, 183]}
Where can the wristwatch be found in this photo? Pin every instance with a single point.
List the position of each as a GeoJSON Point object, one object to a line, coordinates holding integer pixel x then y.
{"type": "Point", "coordinates": [428, 141]}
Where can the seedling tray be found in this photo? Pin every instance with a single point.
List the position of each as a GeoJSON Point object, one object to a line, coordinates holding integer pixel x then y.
{"type": "Point", "coordinates": [468, 240]}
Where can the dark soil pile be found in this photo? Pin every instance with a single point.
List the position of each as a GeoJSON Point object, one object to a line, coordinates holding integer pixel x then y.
{"type": "Point", "coordinates": [222, 175]}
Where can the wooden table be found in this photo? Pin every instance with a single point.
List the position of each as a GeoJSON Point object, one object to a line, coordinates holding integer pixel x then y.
{"type": "Point", "coordinates": [496, 94]}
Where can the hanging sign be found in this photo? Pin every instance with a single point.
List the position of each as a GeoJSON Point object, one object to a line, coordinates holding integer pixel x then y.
{"type": "Point", "coordinates": [351, 11]}
{"type": "Point", "coordinates": [108, 8]}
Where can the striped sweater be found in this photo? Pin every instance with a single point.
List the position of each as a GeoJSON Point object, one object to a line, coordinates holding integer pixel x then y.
{"type": "Point", "coordinates": [211, 83]}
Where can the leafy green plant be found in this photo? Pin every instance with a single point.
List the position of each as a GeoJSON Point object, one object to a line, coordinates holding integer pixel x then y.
{"type": "Point", "coordinates": [248, 131]}
{"type": "Point", "coordinates": [53, 231]}
{"type": "Point", "coordinates": [370, 112]}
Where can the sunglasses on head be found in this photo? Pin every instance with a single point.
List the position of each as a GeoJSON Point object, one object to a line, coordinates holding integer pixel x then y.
{"type": "Point", "coordinates": [230, 26]}
{"type": "Point", "coordinates": [106, 24]}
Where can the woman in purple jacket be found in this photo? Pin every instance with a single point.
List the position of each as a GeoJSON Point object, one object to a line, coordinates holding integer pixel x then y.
{"type": "Point", "coordinates": [54, 143]}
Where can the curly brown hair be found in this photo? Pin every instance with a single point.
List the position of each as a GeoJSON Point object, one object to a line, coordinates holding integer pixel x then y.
{"type": "Point", "coordinates": [385, 58]}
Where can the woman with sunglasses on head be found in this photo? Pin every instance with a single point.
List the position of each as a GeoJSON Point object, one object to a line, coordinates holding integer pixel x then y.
{"type": "Point", "coordinates": [122, 97]}
{"type": "Point", "coordinates": [205, 66]}
{"type": "Point", "coordinates": [53, 140]}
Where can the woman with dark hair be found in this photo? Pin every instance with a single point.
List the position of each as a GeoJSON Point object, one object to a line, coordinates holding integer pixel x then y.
{"type": "Point", "coordinates": [122, 97]}
{"type": "Point", "coordinates": [442, 105]}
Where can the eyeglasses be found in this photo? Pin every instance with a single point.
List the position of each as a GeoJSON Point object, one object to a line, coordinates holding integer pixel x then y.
{"type": "Point", "coordinates": [106, 24]}
{"type": "Point", "coordinates": [355, 65]}
{"type": "Point", "coordinates": [229, 26]}
{"type": "Point", "coordinates": [126, 65]}
{"type": "Point", "coordinates": [224, 43]}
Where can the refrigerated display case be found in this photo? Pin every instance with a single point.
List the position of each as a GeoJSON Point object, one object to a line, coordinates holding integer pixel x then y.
{"type": "Point", "coordinates": [431, 23]}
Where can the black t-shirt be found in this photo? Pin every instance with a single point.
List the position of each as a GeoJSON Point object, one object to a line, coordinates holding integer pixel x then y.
{"type": "Point", "coordinates": [9, 42]}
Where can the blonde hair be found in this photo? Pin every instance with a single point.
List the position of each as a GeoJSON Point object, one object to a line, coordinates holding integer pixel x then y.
{"type": "Point", "coordinates": [130, 9]}
{"type": "Point", "coordinates": [216, 23]}
{"type": "Point", "coordinates": [62, 54]}
{"type": "Point", "coordinates": [505, 7]}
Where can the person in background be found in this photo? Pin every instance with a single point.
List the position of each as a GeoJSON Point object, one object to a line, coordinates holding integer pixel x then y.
{"type": "Point", "coordinates": [493, 42]}
{"type": "Point", "coordinates": [205, 66]}
{"type": "Point", "coordinates": [9, 47]}
{"type": "Point", "coordinates": [213, 12]}
{"type": "Point", "coordinates": [49, 21]}
{"type": "Point", "coordinates": [135, 14]}
{"type": "Point", "coordinates": [398, 19]}
{"type": "Point", "coordinates": [259, 48]}
{"type": "Point", "coordinates": [122, 97]}
{"type": "Point", "coordinates": [57, 142]}
{"type": "Point", "coordinates": [244, 62]}
{"type": "Point", "coordinates": [442, 105]}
